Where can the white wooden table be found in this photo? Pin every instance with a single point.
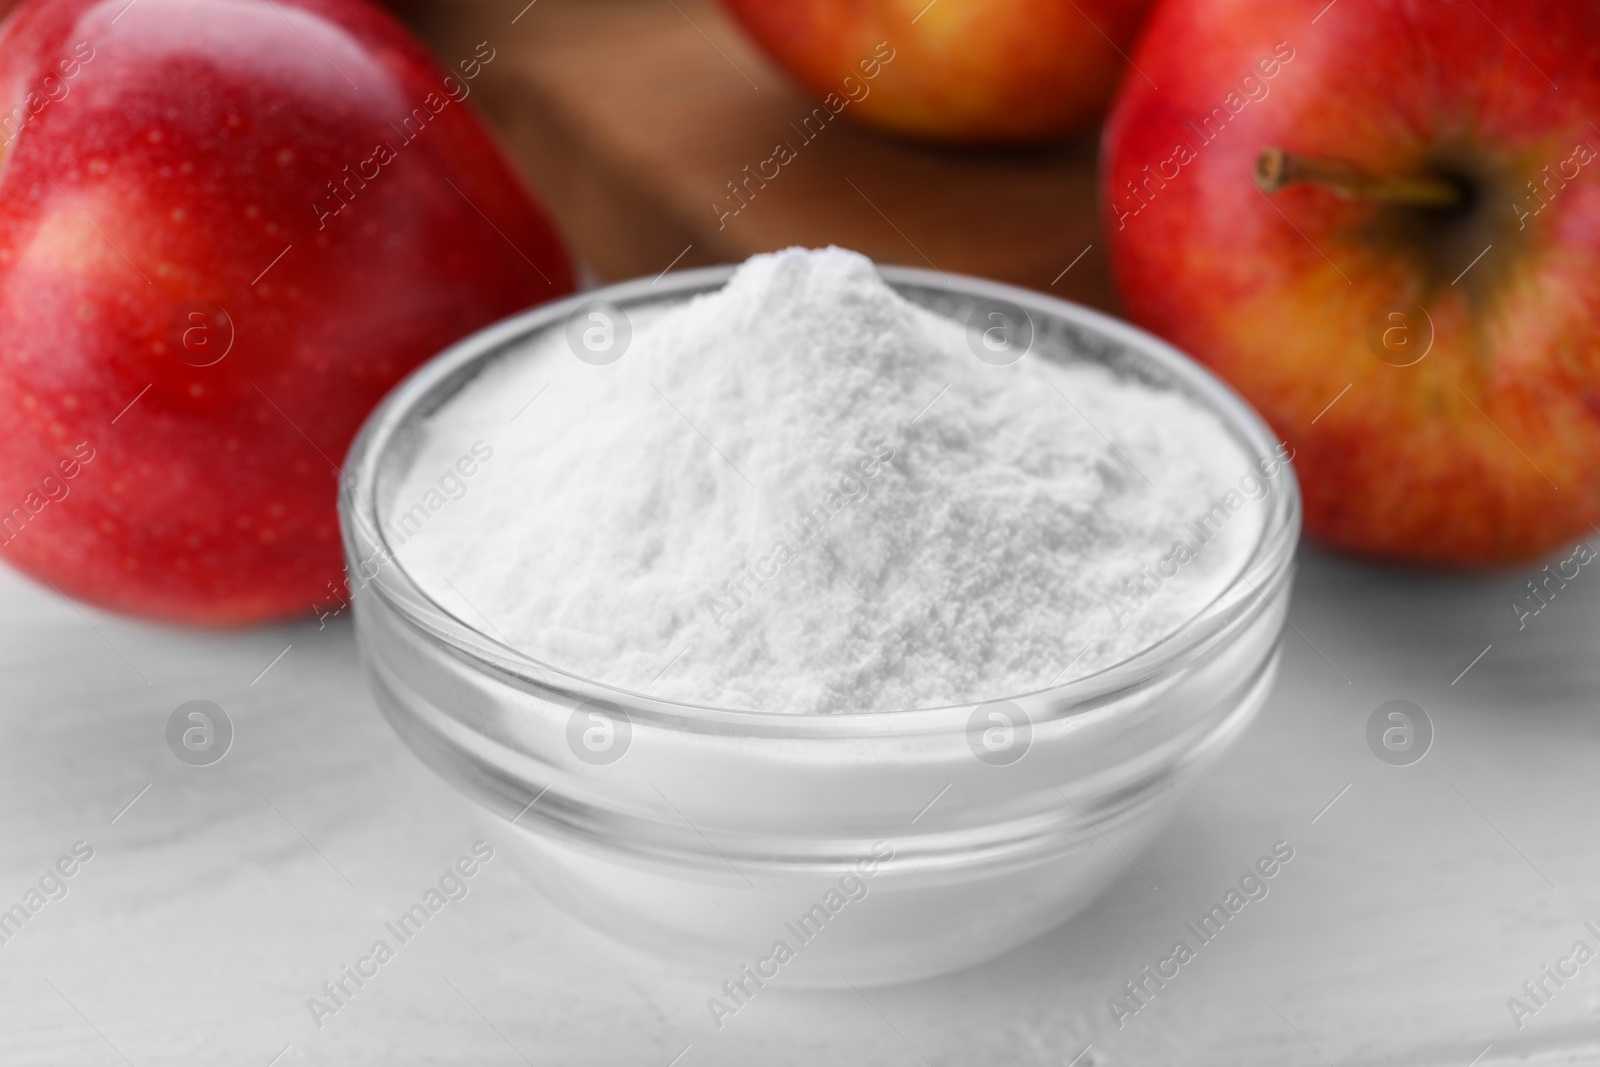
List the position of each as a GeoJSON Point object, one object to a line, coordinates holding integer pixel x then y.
{"type": "Point", "coordinates": [221, 900]}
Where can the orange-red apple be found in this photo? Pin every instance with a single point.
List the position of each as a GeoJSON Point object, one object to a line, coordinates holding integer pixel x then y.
{"type": "Point", "coordinates": [1380, 220]}
{"type": "Point", "coordinates": [970, 71]}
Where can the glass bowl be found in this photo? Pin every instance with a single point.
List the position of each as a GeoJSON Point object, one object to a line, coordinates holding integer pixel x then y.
{"type": "Point", "coordinates": [814, 850]}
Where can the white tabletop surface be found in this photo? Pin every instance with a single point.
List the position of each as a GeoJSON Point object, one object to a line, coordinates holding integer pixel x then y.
{"type": "Point", "coordinates": [225, 895]}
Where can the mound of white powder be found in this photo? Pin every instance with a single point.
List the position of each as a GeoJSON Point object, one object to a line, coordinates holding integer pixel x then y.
{"type": "Point", "coordinates": [803, 493]}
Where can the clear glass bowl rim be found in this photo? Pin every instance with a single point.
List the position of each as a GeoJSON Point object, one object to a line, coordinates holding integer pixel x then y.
{"type": "Point", "coordinates": [1265, 569]}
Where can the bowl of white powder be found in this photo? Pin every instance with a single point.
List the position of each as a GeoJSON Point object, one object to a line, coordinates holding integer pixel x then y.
{"type": "Point", "coordinates": [812, 622]}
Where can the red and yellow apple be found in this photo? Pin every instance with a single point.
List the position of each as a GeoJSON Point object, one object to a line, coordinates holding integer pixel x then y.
{"type": "Point", "coordinates": [227, 228]}
{"type": "Point", "coordinates": [1380, 221]}
{"type": "Point", "coordinates": [971, 71]}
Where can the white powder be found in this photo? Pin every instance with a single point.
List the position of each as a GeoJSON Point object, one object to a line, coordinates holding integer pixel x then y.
{"type": "Point", "coordinates": [644, 523]}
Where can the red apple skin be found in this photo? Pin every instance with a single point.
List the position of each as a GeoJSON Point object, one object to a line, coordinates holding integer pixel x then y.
{"type": "Point", "coordinates": [1454, 460]}
{"type": "Point", "coordinates": [966, 71]}
{"type": "Point", "coordinates": [182, 163]}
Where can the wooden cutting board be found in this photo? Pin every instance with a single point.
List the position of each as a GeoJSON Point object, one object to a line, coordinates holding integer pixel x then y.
{"type": "Point", "coordinates": [632, 116]}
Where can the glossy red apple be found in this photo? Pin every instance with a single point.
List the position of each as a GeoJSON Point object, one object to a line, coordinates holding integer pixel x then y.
{"type": "Point", "coordinates": [227, 228]}
{"type": "Point", "coordinates": [1407, 288]}
{"type": "Point", "coordinates": [957, 70]}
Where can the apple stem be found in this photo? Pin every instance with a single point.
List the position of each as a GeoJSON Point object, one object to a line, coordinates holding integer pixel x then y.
{"type": "Point", "coordinates": [1277, 169]}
